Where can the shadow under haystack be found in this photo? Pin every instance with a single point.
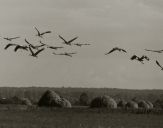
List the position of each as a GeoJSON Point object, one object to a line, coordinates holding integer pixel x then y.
{"type": "Point", "coordinates": [52, 99]}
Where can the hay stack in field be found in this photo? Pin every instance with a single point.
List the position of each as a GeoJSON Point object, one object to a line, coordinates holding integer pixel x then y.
{"type": "Point", "coordinates": [49, 98]}
{"type": "Point", "coordinates": [52, 99]}
{"type": "Point", "coordinates": [103, 102]}
{"type": "Point", "coordinates": [96, 103]}
{"type": "Point", "coordinates": [143, 104]}
{"type": "Point", "coordinates": [122, 103]}
{"type": "Point", "coordinates": [150, 104]}
{"type": "Point", "coordinates": [132, 105]}
{"type": "Point", "coordinates": [109, 102]}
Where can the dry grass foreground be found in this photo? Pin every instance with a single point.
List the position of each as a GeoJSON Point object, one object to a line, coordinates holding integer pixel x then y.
{"type": "Point", "coordinates": [77, 118]}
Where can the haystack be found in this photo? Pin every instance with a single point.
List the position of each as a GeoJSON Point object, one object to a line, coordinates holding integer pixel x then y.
{"type": "Point", "coordinates": [49, 98]}
{"type": "Point", "coordinates": [132, 105]}
{"type": "Point", "coordinates": [143, 104]}
{"type": "Point", "coordinates": [96, 103]}
{"type": "Point", "coordinates": [103, 101]}
{"type": "Point", "coordinates": [109, 102]}
{"type": "Point", "coordinates": [122, 103]}
{"type": "Point", "coordinates": [52, 99]}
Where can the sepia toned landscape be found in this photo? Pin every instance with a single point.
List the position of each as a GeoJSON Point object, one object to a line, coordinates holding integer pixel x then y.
{"type": "Point", "coordinates": [81, 64]}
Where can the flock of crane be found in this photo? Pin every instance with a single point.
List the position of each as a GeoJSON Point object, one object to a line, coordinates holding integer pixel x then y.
{"type": "Point", "coordinates": [36, 49]}
{"type": "Point", "coordinates": [135, 57]}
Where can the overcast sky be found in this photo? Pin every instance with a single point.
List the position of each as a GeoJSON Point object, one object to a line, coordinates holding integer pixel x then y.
{"type": "Point", "coordinates": [131, 24]}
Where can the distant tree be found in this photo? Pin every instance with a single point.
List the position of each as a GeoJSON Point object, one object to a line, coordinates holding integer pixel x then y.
{"type": "Point", "coordinates": [84, 99]}
{"type": "Point", "coordinates": [158, 103]}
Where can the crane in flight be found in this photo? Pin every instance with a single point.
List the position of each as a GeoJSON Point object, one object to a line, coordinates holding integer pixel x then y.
{"type": "Point", "coordinates": [79, 44]}
{"type": "Point", "coordinates": [11, 38]}
{"type": "Point", "coordinates": [68, 42]}
{"type": "Point", "coordinates": [40, 34]}
{"type": "Point", "coordinates": [116, 49]}
{"type": "Point", "coordinates": [36, 53]}
{"type": "Point", "coordinates": [140, 59]}
{"type": "Point", "coordinates": [157, 51]}
{"type": "Point", "coordinates": [66, 54]}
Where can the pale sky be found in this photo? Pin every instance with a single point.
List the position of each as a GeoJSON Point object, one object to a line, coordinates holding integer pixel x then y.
{"type": "Point", "coordinates": [131, 24]}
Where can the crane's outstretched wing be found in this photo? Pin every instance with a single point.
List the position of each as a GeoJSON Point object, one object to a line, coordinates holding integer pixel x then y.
{"type": "Point", "coordinates": [133, 57]}
{"type": "Point", "coordinates": [72, 40]}
{"type": "Point", "coordinates": [46, 32]}
{"type": "Point", "coordinates": [39, 51]}
{"type": "Point", "coordinates": [124, 50]}
{"type": "Point", "coordinates": [110, 51]}
{"type": "Point", "coordinates": [14, 38]}
{"type": "Point", "coordinates": [62, 38]}
{"type": "Point", "coordinates": [8, 45]}
{"type": "Point", "coordinates": [159, 64]}
{"type": "Point", "coordinates": [37, 31]}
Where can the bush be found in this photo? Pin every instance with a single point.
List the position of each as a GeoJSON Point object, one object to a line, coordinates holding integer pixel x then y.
{"type": "Point", "coordinates": [84, 99]}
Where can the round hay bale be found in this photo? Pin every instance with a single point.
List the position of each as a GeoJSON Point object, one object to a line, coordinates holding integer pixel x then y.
{"type": "Point", "coordinates": [150, 104]}
{"type": "Point", "coordinates": [132, 105]}
{"type": "Point", "coordinates": [143, 104]}
{"type": "Point", "coordinates": [109, 102]}
{"type": "Point", "coordinates": [49, 98]}
{"type": "Point", "coordinates": [26, 101]}
{"type": "Point", "coordinates": [122, 103]}
{"type": "Point", "coordinates": [104, 101]}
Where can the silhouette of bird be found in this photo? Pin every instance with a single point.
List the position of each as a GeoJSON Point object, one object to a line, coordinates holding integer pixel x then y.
{"type": "Point", "coordinates": [39, 34]}
{"type": "Point", "coordinates": [140, 59]}
{"type": "Point", "coordinates": [54, 47]}
{"type": "Point", "coordinates": [159, 65]}
{"type": "Point", "coordinates": [116, 49]}
{"type": "Point", "coordinates": [10, 39]}
{"type": "Point", "coordinates": [135, 57]}
{"type": "Point", "coordinates": [36, 53]}
{"type": "Point", "coordinates": [66, 54]}
{"type": "Point", "coordinates": [78, 44]}
{"type": "Point", "coordinates": [158, 51]}
{"type": "Point", "coordinates": [9, 45]}
{"type": "Point", "coordinates": [21, 47]}
{"type": "Point", "coordinates": [67, 42]}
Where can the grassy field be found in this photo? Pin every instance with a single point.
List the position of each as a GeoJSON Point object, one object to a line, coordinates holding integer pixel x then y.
{"type": "Point", "coordinates": [77, 118]}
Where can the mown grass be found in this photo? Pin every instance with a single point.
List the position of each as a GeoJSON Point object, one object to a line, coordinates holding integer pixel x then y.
{"type": "Point", "coordinates": [77, 118]}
